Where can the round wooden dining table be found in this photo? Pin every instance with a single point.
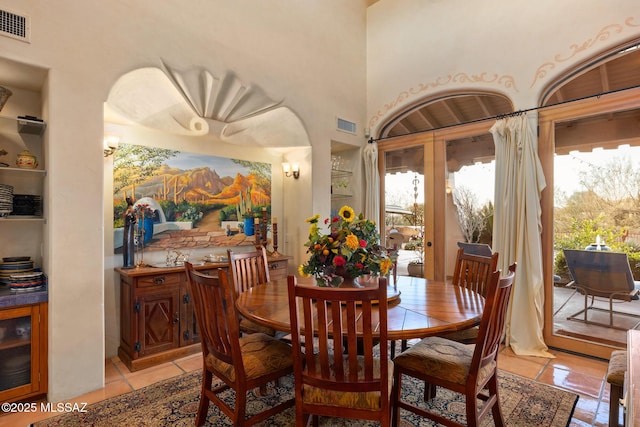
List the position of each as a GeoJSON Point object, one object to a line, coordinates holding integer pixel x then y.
{"type": "Point", "coordinates": [423, 308]}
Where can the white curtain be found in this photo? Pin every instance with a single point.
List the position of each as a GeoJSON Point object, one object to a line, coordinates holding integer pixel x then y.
{"type": "Point", "coordinates": [371, 182]}
{"type": "Point", "coordinates": [517, 227]}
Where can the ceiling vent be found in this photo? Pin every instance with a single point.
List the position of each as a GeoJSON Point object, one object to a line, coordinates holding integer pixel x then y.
{"type": "Point", "coordinates": [15, 26]}
{"type": "Point", "coordinates": [346, 126]}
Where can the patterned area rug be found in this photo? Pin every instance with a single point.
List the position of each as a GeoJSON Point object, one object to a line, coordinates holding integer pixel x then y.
{"type": "Point", "coordinates": [174, 402]}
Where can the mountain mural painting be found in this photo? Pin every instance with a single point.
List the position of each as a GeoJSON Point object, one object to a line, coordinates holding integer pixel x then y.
{"type": "Point", "coordinates": [197, 201]}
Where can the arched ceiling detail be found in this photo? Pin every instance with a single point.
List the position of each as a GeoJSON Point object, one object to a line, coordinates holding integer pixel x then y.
{"type": "Point", "coordinates": [446, 110]}
{"type": "Point", "coordinates": [198, 103]}
{"type": "Point", "coordinates": [615, 70]}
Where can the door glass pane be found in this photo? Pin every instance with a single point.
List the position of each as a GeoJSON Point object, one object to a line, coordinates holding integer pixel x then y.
{"type": "Point", "coordinates": [470, 185]}
{"type": "Point", "coordinates": [404, 207]}
{"type": "Point", "coordinates": [596, 207]}
{"type": "Point", "coordinates": [15, 352]}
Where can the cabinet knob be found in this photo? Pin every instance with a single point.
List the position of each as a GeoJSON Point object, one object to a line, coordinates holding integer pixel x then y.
{"type": "Point", "coordinates": [159, 280]}
{"type": "Point", "coordinates": [176, 318]}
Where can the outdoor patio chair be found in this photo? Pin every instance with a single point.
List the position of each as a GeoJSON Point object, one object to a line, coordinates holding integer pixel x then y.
{"type": "Point", "coordinates": [601, 274]}
{"type": "Point", "coordinates": [480, 249]}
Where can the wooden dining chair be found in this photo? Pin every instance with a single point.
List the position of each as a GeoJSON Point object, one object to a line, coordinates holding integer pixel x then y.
{"type": "Point", "coordinates": [249, 269]}
{"type": "Point", "coordinates": [345, 379]}
{"type": "Point", "coordinates": [241, 363]}
{"type": "Point", "coordinates": [464, 369]}
{"type": "Point", "coordinates": [472, 272]}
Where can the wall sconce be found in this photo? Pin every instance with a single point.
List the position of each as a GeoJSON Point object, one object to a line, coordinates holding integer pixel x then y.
{"type": "Point", "coordinates": [291, 170]}
{"type": "Point", "coordinates": [110, 145]}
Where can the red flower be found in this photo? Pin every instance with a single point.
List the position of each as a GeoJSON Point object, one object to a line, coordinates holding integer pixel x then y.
{"type": "Point", "coordinates": [359, 266]}
{"type": "Point", "coordinates": [339, 261]}
{"type": "Point", "coordinates": [336, 219]}
{"type": "Point", "coordinates": [363, 243]}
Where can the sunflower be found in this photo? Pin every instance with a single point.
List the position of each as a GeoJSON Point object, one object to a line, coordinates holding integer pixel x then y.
{"type": "Point", "coordinates": [346, 213]}
{"type": "Point", "coordinates": [349, 247]}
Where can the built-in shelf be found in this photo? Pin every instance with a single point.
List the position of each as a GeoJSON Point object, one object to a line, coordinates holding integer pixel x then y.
{"type": "Point", "coordinates": [336, 174]}
{"type": "Point", "coordinates": [23, 170]}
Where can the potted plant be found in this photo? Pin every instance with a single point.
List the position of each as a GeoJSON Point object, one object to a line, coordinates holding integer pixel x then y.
{"type": "Point", "coordinates": [415, 268]}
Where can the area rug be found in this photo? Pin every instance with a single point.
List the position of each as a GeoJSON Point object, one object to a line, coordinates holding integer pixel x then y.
{"type": "Point", "coordinates": [174, 402]}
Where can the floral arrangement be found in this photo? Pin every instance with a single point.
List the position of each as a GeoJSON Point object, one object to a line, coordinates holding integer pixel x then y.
{"type": "Point", "coordinates": [350, 248]}
{"type": "Point", "coordinates": [144, 210]}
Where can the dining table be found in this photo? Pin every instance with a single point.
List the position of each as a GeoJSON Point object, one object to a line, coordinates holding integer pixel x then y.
{"type": "Point", "coordinates": [416, 307]}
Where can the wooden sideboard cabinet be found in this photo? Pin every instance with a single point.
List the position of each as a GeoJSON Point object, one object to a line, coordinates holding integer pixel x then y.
{"type": "Point", "coordinates": [157, 319]}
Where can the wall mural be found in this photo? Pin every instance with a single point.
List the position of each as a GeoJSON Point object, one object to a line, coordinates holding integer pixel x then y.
{"type": "Point", "coordinates": [188, 201]}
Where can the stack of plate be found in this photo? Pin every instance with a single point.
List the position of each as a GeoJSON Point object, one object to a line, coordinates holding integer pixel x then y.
{"type": "Point", "coordinates": [26, 204]}
{"type": "Point", "coordinates": [15, 367]}
{"type": "Point", "coordinates": [27, 281]}
{"type": "Point", "coordinates": [14, 265]}
{"type": "Point", "coordinates": [6, 199]}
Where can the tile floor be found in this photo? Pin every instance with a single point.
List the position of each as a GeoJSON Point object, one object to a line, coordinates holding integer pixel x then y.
{"type": "Point", "coordinates": [582, 375]}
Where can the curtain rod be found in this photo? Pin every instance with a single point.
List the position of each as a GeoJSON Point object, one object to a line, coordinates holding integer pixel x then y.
{"type": "Point", "coordinates": [504, 115]}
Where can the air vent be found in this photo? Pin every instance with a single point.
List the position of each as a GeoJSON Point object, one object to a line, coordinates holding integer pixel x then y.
{"type": "Point", "coordinates": [346, 125]}
{"type": "Point", "coordinates": [15, 26]}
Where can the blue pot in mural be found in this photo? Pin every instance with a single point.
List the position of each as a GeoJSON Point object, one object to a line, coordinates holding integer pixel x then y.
{"type": "Point", "coordinates": [147, 226]}
{"type": "Point", "coordinates": [248, 227]}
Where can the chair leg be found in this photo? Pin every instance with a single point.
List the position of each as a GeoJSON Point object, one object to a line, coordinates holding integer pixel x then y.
{"type": "Point", "coordinates": [495, 409]}
{"type": "Point", "coordinates": [430, 391]}
{"type": "Point", "coordinates": [396, 388]}
{"type": "Point", "coordinates": [203, 406]}
{"type": "Point", "coordinates": [614, 405]}
{"type": "Point", "coordinates": [392, 351]}
{"type": "Point", "coordinates": [240, 410]}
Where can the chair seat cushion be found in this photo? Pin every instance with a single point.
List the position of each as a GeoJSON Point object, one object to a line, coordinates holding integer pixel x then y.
{"type": "Point", "coordinates": [250, 327]}
{"type": "Point", "coordinates": [261, 355]}
{"type": "Point", "coordinates": [465, 336]}
{"type": "Point", "coordinates": [359, 400]}
{"type": "Point", "coordinates": [442, 358]}
{"type": "Point", "coordinates": [617, 367]}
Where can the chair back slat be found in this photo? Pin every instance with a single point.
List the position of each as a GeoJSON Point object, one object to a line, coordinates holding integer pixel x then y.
{"type": "Point", "coordinates": [341, 356]}
{"type": "Point", "coordinates": [493, 319]}
{"type": "Point", "coordinates": [474, 271]}
{"type": "Point", "coordinates": [215, 313]}
{"type": "Point", "coordinates": [248, 269]}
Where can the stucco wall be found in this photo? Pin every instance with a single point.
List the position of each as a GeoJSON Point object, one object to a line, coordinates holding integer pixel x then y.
{"type": "Point", "coordinates": [419, 48]}
{"type": "Point", "coordinates": [310, 55]}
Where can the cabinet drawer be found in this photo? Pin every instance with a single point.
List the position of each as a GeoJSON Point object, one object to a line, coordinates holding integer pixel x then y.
{"type": "Point", "coordinates": [278, 269]}
{"type": "Point", "coordinates": [159, 280]}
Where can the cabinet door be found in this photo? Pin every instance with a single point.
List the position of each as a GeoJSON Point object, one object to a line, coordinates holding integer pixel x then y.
{"type": "Point", "coordinates": [20, 335]}
{"type": "Point", "coordinates": [159, 321]}
{"type": "Point", "coordinates": [189, 332]}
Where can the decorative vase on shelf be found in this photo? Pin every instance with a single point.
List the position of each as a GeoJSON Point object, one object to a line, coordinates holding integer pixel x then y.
{"type": "Point", "coordinates": [26, 160]}
{"type": "Point", "coordinates": [147, 226]}
{"type": "Point", "coordinates": [249, 226]}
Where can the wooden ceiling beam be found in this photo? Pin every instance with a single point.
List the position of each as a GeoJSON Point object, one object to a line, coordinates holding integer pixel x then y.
{"type": "Point", "coordinates": [455, 114]}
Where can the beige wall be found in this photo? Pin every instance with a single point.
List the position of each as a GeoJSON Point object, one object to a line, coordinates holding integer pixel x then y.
{"type": "Point", "coordinates": [420, 48]}
{"type": "Point", "coordinates": [309, 55]}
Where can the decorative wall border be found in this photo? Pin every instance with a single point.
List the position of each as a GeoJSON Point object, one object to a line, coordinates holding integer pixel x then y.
{"type": "Point", "coordinates": [505, 80]}
{"type": "Point", "coordinates": [604, 34]}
